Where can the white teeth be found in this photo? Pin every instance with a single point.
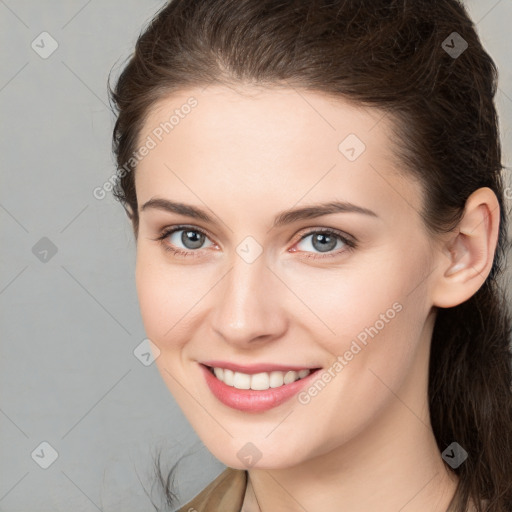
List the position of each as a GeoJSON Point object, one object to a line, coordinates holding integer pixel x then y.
{"type": "Point", "coordinates": [276, 379]}
{"type": "Point", "coordinates": [228, 377]}
{"type": "Point", "coordinates": [241, 381]}
{"type": "Point", "coordinates": [290, 377]}
{"type": "Point", "coordinates": [258, 381]}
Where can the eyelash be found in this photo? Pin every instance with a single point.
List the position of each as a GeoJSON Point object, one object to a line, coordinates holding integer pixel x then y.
{"type": "Point", "coordinates": [350, 243]}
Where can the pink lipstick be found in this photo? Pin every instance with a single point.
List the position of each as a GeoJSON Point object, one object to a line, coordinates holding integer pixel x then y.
{"type": "Point", "coordinates": [250, 400]}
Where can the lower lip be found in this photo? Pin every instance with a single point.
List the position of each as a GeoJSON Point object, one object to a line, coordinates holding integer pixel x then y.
{"type": "Point", "coordinates": [250, 400]}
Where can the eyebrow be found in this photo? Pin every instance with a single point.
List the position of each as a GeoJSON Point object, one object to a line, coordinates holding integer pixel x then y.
{"type": "Point", "coordinates": [285, 217]}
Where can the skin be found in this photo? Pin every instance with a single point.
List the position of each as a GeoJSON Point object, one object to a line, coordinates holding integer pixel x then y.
{"type": "Point", "coordinates": [365, 441]}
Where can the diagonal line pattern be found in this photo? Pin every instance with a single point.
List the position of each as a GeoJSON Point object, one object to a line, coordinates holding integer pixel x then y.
{"type": "Point", "coordinates": [483, 220]}
{"type": "Point", "coordinates": [13, 279]}
{"type": "Point", "coordinates": [422, 281]}
{"type": "Point", "coordinates": [14, 485]}
{"type": "Point", "coordinates": [81, 491]}
{"type": "Point", "coordinates": [324, 119]}
{"type": "Point", "coordinates": [97, 402]}
{"type": "Point", "coordinates": [96, 300]}
{"type": "Point", "coordinates": [488, 12]}
{"type": "Point", "coordinates": [197, 197]}
{"type": "Point", "coordinates": [75, 15]}
{"type": "Point", "coordinates": [378, 121]}
{"type": "Point", "coordinates": [280, 423]}
{"type": "Point", "coordinates": [74, 218]}
{"type": "Point", "coordinates": [198, 403]}
{"type": "Point", "coordinates": [14, 423]}
{"type": "Point", "coordinates": [401, 508]}
{"type": "Point", "coordinates": [13, 13]}
{"type": "Point", "coordinates": [85, 85]}
{"type": "Point", "coordinates": [415, 209]}
{"type": "Point", "coordinates": [14, 76]}
{"type": "Point", "coordinates": [308, 191]}
{"type": "Point", "coordinates": [396, 396]}
{"type": "Point", "coordinates": [13, 218]}
{"type": "Point", "coordinates": [505, 94]}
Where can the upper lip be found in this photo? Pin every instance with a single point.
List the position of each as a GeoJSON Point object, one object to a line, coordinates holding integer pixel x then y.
{"type": "Point", "coordinates": [256, 368]}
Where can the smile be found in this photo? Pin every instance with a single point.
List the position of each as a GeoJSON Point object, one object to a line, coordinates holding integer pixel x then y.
{"type": "Point", "coordinates": [258, 381]}
{"type": "Point", "coordinates": [255, 392]}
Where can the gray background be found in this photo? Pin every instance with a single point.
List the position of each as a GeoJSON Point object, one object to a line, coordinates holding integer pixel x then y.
{"type": "Point", "coordinates": [70, 324]}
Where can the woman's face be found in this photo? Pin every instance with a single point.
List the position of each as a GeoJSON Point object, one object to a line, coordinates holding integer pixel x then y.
{"type": "Point", "coordinates": [263, 286]}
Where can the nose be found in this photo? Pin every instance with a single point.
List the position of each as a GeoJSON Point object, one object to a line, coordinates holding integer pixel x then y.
{"type": "Point", "coordinates": [249, 305]}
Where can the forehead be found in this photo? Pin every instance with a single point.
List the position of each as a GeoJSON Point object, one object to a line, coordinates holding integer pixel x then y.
{"type": "Point", "coordinates": [277, 144]}
{"type": "Point", "coordinates": [282, 118]}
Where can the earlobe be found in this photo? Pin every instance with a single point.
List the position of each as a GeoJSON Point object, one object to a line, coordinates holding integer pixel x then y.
{"type": "Point", "coordinates": [465, 260]}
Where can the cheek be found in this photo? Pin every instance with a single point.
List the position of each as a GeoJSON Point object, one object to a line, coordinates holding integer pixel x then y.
{"type": "Point", "coordinates": [378, 336]}
{"type": "Point", "coordinates": [157, 293]}
{"type": "Point", "coordinates": [345, 303]}
{"type": "Point", "coordinates": [169, 298]}
{"type": "Point", "coordinates": [370, 315]}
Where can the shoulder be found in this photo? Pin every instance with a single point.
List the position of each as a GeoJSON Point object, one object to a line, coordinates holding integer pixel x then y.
{"type": "Point", "coordinates": [225, 493]}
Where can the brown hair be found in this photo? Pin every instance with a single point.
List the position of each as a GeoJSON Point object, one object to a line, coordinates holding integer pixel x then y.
{"type": "Point", "coordinates": [392, 55]}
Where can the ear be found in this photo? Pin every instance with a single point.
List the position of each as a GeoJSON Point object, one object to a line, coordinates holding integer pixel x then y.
{"type": "Point", "coordinates": [465, 259]}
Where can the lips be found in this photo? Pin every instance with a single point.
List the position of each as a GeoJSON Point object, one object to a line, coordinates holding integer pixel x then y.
{"type": "Point", "coordinates": [256, 368]}
{"type": "Point", "coordinates": [248, 400]}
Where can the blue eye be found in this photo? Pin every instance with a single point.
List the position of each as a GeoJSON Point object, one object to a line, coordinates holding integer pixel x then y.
{"type": "Point", "coordinates": [323, 240]}
{"type": "Point", "coordinates": [191, 238]}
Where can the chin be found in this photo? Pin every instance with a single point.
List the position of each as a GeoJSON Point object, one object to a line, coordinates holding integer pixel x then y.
{"type": "Point", "coordinates": [249, 455]}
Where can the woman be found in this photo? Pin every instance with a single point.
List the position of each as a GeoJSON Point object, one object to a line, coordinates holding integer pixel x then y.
{"type": "Point", "coordinates": [316, 194]}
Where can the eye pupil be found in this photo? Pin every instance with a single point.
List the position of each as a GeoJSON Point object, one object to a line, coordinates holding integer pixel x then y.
{"type": "Point", "coordinates": [327, 243]}
{"type": "Point", "coordinates": [194, 238]}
